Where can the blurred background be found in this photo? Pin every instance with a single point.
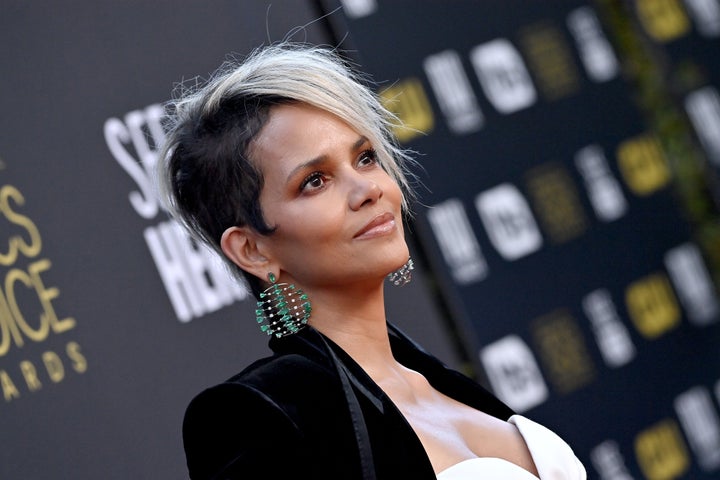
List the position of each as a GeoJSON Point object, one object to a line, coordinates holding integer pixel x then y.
{"type": "Point", "coordinates": [567, 239]}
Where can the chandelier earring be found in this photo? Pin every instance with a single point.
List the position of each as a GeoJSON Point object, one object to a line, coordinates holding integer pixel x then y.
{"type": "Point", "coordinates": [403, 275]}
{"type": "Point", "coordinates": [282, 309]}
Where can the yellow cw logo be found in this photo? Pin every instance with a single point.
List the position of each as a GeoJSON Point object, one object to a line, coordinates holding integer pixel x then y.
{"type": "Point", "coordinates": [652, 305]}
{"type": "Point", "coordinates": [661, 451]}
{"type": "Point", "coordinates": [663, 20]}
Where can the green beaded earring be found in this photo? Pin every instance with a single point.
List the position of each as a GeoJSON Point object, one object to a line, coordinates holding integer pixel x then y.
{"type": "Point", "coordinates": [282, 309]}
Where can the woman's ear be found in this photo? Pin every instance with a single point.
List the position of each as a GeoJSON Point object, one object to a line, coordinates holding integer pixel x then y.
{"type": "Point", "coordinates": [240, 245]}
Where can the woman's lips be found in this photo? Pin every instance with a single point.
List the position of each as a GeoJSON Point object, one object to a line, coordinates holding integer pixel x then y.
{"type": "Point", "coordinates": [380, 225]}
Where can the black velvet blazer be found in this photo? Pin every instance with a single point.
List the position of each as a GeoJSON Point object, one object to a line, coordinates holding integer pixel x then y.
{"type": "Point", "coordinates": [310, 411]}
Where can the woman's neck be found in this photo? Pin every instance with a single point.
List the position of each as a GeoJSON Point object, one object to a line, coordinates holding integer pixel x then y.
{"type": "Point", "coordinates": [356, 322]}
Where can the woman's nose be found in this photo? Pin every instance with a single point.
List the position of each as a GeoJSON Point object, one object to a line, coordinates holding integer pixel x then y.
{"type": "Point", "coordinates": [363, 191]}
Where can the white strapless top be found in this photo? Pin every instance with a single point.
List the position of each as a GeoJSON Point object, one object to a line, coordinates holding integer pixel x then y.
{"type": "Point", "coordinates": [554, 459]}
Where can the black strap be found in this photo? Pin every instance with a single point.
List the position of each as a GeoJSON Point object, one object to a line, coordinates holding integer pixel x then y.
{"type": "Point", "coordinates": [361, 434]}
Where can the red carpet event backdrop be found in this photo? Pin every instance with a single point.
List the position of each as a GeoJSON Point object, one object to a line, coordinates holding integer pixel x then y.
{"type": "Point", "coordinates": [553, 216]}
{"type": "Point", "coordinates": [564, 238]}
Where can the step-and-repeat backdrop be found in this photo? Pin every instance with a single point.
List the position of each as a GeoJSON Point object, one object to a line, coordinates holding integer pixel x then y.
{"type": "Point", "coordinates": [549, 218]}
{"type": "Point", "coordinates": [110, 318]}
{"type": "Point", "coordinates": [552, 215]}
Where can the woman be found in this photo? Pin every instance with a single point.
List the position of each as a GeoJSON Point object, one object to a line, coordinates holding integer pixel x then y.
{"type": "Point", "coordinates": [285, 165]}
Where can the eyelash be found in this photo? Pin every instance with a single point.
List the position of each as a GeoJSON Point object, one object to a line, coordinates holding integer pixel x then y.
{"type": "Point", "coordinates": [310, 178]}
{"type": "Point", "coordinates": [369, 154]}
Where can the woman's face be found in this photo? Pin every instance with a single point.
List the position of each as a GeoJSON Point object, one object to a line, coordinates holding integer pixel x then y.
{"type": "Point", "coordinates": [337, 213]}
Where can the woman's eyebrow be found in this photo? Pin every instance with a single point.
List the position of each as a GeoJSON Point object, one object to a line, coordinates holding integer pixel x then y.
{"type": "Point", "coordinates": [321, 158]}
{"type": "Point", "coordinates": [309, 164]}
{"type": "Point", "coordinates": [359, 142]}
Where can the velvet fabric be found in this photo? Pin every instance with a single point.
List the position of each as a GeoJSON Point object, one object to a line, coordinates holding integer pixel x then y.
{"type": "Point", "coordinates": [287, 416]}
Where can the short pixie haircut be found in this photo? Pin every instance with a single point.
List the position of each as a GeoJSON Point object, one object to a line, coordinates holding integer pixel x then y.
{"type": "Point", "coordinates": [207, 178]}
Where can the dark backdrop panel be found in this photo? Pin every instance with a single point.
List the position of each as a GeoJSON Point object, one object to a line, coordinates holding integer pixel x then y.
{"type": "Point", "coordinates": [685, 39]}
{"type": "Point", "coordinates": [110, 320]}
{"type": "Point", "coordinates": [551, 221]}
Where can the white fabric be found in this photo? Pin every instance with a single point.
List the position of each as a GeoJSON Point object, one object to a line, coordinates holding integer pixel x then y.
{"type": "Point", "coordinates": [554, 459]}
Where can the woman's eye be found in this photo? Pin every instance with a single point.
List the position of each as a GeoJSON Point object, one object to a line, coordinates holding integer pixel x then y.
{"type": "Point", "coordinates": [368, 157]}
{"type": "Point", "coordinates": [313, 182]}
